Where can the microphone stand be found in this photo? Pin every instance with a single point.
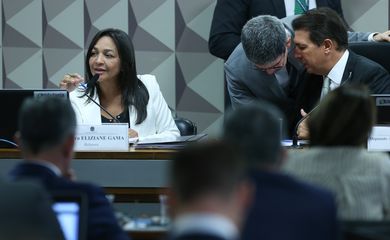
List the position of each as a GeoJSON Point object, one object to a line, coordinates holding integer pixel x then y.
{"type": "Point", "coordinates": [102, 108]}
{"type": "Point", "coordinates": [93, 81]}
{"type": "Point", "coordinates": [295, 135]}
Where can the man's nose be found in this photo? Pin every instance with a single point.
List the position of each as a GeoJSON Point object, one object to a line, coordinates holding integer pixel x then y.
{"type": "Point", "coordinates": [270, 71]}
{"type": "Point", "coordinates": [297, 54]}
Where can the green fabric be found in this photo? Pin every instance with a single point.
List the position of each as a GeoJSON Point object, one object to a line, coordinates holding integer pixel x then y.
{"type": "Point", "coordinates": [301, 6]}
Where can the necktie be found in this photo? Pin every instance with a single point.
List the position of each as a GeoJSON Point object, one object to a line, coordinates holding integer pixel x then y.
{"type": "Point", "coordinates": [301, 6]}
{"type": "Point", "coordinates": [325, 87]}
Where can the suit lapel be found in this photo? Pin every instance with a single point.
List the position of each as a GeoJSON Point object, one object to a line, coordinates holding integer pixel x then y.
{"type": "Point", "coordinates": [348, 71]}
{"type": "Point", "coordinates": [294, 68]}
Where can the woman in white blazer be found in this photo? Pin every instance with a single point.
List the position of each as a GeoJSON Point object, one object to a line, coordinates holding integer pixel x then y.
{"type": "Point", "coordinates": [126, 96]}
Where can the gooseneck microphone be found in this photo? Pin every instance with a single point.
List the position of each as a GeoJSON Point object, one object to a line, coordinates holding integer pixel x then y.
{"type": "Point", "coordinates": [295, 134]}
{"type": "Point", "coordinates": [93, 81]}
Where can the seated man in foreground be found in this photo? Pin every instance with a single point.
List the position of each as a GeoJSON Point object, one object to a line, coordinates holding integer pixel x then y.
{"type": "Point", "coordinates": [283, 207]}
{"type": "Point", "coordinates": [210, 193]}
{"type": "Point", "coordinates": [46, 138]}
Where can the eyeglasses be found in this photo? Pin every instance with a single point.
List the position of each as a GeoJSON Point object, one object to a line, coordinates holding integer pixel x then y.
{"type": "Point", "coordinates": [280, 64]}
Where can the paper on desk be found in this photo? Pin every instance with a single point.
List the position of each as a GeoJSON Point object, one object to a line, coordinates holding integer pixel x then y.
{"type": "Point", "coordinates": [163, 143]}
{"type": "Point", "coordinates": [379, 139]}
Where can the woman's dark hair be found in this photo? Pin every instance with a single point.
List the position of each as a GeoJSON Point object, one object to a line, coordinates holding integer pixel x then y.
{"type": "Point", "coordinates": [344, 118]}
{"type": "Point", "coordinates": [134, 92]}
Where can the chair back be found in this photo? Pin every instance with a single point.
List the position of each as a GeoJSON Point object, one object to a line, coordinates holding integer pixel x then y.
{"type": "Point", "coordinates": [365, 230]}
{"type": "Point", "coordinates": [376, 51]}
{"type": "Point", "coordinates": [186, 126]}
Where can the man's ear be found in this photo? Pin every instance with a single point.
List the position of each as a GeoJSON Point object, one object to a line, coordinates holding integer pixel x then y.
{"type": "Point", "coordinates": [328, 45]}
{"type": "Point", "coordinates": [17, 138]}
{"type": "Point", "coordinates": [246, 191]}
{"type": "Point", "coordinates": [288, 42]}
{"type": "Point", "coordinates": [68, 147]}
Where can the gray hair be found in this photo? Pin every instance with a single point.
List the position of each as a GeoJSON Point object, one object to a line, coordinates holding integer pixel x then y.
{"type": "Point", "coordinates": [263, 39]}
{"type": "Point", "coordinates": [45, 122]}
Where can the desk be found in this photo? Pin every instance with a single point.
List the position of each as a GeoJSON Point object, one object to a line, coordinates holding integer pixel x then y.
{"type": "Point", "coordinates": [133, 176]}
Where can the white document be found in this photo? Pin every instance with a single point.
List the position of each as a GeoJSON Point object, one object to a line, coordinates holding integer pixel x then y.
{"type": "Point", "coordinates": [105, 137]}
{"type": "Point", "coordinates": [379, 139]}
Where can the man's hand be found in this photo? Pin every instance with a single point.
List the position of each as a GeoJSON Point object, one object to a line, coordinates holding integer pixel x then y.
{"type": "Point", "coordinates": [303, 130]}
{"type": "Point", "coordinates": [382, 37]}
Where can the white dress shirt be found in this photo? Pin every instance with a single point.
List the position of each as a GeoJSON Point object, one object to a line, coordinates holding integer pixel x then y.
{"type": "Point", "coordinates": [290, 5]}
{"type": "Point", "coordinates": [337, 72]}
{"type": "Point", "coordinates": [210, 224]}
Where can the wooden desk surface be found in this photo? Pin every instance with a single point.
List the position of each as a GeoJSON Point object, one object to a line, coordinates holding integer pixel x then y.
{"type": "Point", "coordinates": [134, 176]}
{"type": "Point", "coordinates": [139, 154]}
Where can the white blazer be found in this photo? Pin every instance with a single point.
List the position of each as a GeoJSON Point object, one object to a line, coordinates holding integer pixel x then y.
{"type": "Point", "coordinates": [158, 123]}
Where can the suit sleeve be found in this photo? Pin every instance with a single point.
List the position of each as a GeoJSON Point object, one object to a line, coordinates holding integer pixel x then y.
{"type": "Point", "coordinates": [358, 36]}
{"type": "Point", "coordinates": [228, 19]}
{"type": "Point", "coordinates": [165, 125]}
{"type": "Point", "coordinates": [102, 223]}
{"type": "Point", "coordinates": [239, 94]}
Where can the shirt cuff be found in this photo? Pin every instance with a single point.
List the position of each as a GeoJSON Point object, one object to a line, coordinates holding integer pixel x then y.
{"type": "Point", "coordinates": [371, 37]}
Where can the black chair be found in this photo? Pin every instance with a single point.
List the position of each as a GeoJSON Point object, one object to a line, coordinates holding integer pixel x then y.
{"type": "Point", "coordinates": [376, 51]}
{"type": "Point", "coordinates": [365, 230]}
{"type": "Point", "coordinates": [186, 126]}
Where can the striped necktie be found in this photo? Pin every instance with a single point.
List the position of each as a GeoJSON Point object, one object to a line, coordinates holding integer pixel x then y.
{"type": "Point", "coordinates": [301, 6]}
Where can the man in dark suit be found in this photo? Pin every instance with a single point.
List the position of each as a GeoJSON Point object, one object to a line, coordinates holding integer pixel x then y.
{"type": "Point", "coordinates": [209, 193]}
{"type": "Point", "coordinates": [26, 213]}
{"type": "Point", "coordinates": [321, 44]}
{"type": "Point", "coordinates": [231, 15]}
{"type": "Point", "coordinates": [283, 207]}
{"type": "Point", "coordinates": [46, 138]}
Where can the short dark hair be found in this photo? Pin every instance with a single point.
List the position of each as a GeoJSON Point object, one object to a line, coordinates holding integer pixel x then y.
{"type": "Point", "coordinates": [256, 130]}
{"type": "Point", "coordinates": [323, 23]}
{"type": "Point", "coordinates": [45, 122]}
{"type": "Point", "coordinates": [134, 92]}
{"type": "Point", "coordinates": [344, 117]}
{"type": "Point", "coordinates": [206, 168]}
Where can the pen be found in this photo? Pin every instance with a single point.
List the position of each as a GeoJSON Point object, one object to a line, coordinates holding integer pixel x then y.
{"type": "Point", "coordinates": [72, 75]}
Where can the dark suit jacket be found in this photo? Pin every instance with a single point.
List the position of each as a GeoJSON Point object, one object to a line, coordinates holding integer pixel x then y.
{"type": "Point", "coordinates": [102, 223]}
{"type": "Point", "coordinates": [246, 83]}
{"type": "Point", "coordinates": [287, 209]}
{"type": "Point", "coordinates": [358, 70]}
{"type": "Point", "coordinates": [26, 213]}
{"type": "Point", "coordinates": [231, 15]}
{"type": "Point", "coordinates": [197, 236]}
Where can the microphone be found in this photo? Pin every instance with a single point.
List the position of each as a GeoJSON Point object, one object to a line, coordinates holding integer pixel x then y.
{"type": "Point", "coordinates": [295, 135]}
{"type": "Point", "coordinates": [93, 82]}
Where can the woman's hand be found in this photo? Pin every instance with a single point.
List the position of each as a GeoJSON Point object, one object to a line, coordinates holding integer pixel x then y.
{"type": "Point", "coordinates": [132, 133]}
{"type": "Point", "coordinates": [71, 81]}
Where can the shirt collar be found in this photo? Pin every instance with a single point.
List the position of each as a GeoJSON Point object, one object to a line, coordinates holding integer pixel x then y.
{"type": "Point", "coordinates": [213, 224]}
{"type": "Point", "coordinates": [48, 165]}
{"type": "Point", "coordinates": [336, 73]}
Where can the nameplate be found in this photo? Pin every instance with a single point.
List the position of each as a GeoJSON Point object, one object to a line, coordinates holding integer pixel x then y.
{"type": "Point", "coordinates": [105, 137]}
{"type": "Point", "coordinates": [379, 139]}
